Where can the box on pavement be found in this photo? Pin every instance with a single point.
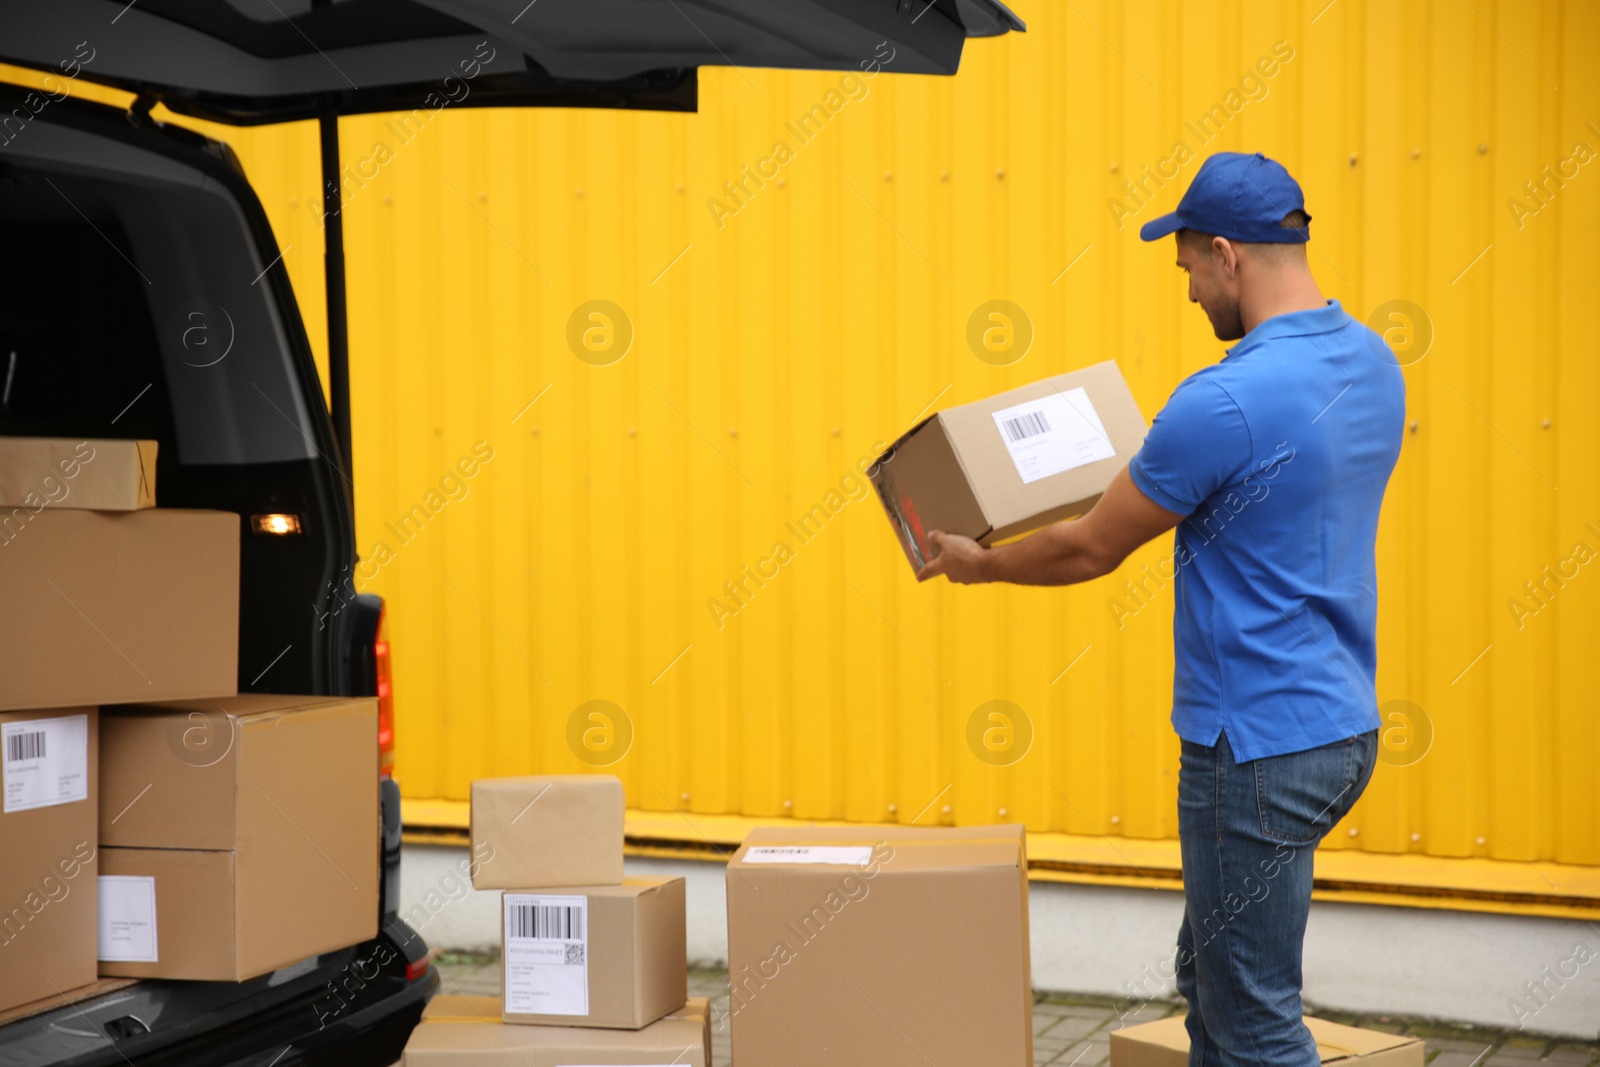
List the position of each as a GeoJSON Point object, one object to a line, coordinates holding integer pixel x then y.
{"type": "Point", "coordinates": [457, 1029]}
{"type": "Point", "coordinates": [73, 472]}
{"type": "Point", "coordinates": [237, 835]}
{"type": "Point", "coordinates": [136, 605]}
{"type": "Point", "coordinates": [1001, 467]}
{"type": "Point", "coordinates": [845, 941]}
{"type": "Point", "coordinates": [1165, 1043]}
{"type": "Point", "coordinates": [604, 956]}
{"type": "Point", "coordinates": [49, 762]}
{"type": "Point", "coordinates": [547, 830]}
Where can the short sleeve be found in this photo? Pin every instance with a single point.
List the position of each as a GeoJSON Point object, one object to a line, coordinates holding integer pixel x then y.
{"type": "Point", "coordinates": [1198, 443]}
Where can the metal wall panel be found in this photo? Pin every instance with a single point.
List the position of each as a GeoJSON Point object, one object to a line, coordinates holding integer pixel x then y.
{"type": "Point", "coordinates": [778, 340]}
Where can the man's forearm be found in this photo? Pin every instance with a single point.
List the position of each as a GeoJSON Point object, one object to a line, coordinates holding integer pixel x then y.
{"type": "Point", "coordinates": [1060, 554]}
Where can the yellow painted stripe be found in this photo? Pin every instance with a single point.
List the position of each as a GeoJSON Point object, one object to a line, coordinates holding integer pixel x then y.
{"type": "Point", "coordinates": [1562, 890]}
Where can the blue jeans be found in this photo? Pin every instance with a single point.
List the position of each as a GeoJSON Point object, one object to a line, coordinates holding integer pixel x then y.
{"type": "Point", "coordinates": [1247, 832]}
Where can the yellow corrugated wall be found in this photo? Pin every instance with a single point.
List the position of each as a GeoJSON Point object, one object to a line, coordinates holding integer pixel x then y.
{"type": "Point", "coordinates": [776, 344]}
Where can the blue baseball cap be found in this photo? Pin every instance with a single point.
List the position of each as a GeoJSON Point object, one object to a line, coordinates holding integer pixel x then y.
{"type": "Point", "coordinates": [1240, 196]}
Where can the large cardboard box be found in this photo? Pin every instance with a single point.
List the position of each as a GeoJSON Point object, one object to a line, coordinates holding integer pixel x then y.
{"type": "Point", "coordinates": [880, 945]}
{"type": "Point", "coordinates": [49, 762]}
{"type": "Point", "coordinates": [605, 956]}
{"type": "Point", "coordinates": [1165, 1043]}
{"type": "Point", "coordinates": [547, 830]}
{"type": "Point", "coordinates": [1002, 467]}
{"type": "Point", "coordinates": [257, 767]}
{"type": "Point", "coordinates": [457, 1029]}
{"type": "Point", "coordinates": [120, 606]}
{"type": "Point", "coordinates": [238, 835]}
{"type": "Point", "coordinates": [73, 472]}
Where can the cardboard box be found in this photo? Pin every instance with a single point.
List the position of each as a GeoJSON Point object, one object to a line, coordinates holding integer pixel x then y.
{"type": "Point", "coordinates": [843, 942]}
{"type": "Point", "coordinates": [1002, 467]}
{"type": "Point", "coordinates": [212, 774]}
{"type": "Point", "coordinates": [605, 956]}
{"type": "Point", "coordinates": [457, 1029]}
{"type": "Point", "coordinates": [547, 831]}
{"type": "Point", "coordinates": [238, 835]}
{"type": "Point", "coordinates": [49, 766]}
{"type": "Point", "coordinates": [1165, 1043]}
{"type": "Point", "coordinates": [118, 606]}
{"type": "Point", "coordinates": [72, 472]}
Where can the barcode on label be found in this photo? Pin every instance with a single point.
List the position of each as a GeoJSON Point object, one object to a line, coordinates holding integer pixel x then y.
{"type": "Point", "coordinates": [546, 922]}
{"type": "Point", "coordinates": [21, 747]}
{"type": "Point", "coordinates": [1026, 425]}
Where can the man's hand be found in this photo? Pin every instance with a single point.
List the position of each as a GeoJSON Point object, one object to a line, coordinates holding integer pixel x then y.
{"type": "Point", "coordinates": [960, 559]}
{"type": "Point", "coordinates": [1076, 550]}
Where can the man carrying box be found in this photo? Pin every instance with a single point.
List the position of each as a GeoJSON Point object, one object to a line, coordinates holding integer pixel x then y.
{"type": "Point", "coordinates": [1272, 465]}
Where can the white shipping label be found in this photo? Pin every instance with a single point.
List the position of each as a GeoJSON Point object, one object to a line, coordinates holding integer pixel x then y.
{"type": "Point", "coordinates": [547, 954]}
{"type": "Point", "coordinates": [1053, 433]}
{"type": "Point", "coordinates": [46, 761]}
{"type": "Point", "coordinates": [851, 855]}
{"type": "Point", "coordinates": [128, 918]}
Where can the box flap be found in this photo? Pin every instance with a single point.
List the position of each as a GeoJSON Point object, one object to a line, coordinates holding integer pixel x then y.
{"type": "Point", "coordinates": [1335, 1041]}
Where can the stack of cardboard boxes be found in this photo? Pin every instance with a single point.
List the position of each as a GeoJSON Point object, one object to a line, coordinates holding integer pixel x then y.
{"type": "Point", "coordinates": [593, 964]}
{"type": "Point", "coordinates": [156, 823]}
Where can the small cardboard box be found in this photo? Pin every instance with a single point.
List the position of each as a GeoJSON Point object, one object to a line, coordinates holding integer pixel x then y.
{"type": "Point", "coordinates": [120, 606]}
{"type": "Point", "coordinates": [49, 765]}
{"type": "Point", "coordinates": [1002, 467]}
{"type": "Point", "coordinates": [238, 835]}
{"type": "Point", "coordinates": [605, 956]}
{"type": "Point", "coordinates": [457, 1029]}
{"type": "Point", "coordinates": [547, 831]}
{"type": "Point", "coordinates": [70, 472]}
{"type": "Point", "coordinates": [844, 940]}
{"type": "Point", "coordinates": [1165, 1043]}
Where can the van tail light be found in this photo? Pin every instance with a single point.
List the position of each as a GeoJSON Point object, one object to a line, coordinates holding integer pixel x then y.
{"type": "Point", "coordinates": [416, 969]}
{"type": "Point", "coordinates": [382, 672]}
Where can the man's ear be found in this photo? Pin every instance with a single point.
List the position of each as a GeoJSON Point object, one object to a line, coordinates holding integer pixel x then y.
{"type": "Point", "coordinates": [1226, 255]}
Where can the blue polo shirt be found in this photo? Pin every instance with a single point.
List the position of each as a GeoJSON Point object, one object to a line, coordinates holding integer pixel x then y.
{"type": "Point", "coordinates": [1279, 456]}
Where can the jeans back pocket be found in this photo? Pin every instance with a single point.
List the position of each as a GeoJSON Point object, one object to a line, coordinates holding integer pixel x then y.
{"type": "Point", "coordinates": [1301, 795]}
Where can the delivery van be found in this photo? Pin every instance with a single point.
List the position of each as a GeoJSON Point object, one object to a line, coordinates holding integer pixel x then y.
{"type": "Point", "coordinates": [143, 295]}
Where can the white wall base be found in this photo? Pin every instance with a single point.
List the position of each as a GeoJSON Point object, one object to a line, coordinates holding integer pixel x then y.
{"type": "Point", "coordinates": [1116, 942]}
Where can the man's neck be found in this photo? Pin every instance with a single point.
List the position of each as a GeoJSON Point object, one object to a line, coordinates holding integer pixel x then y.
{"type": "Point", "coordinates": [1280, 295]}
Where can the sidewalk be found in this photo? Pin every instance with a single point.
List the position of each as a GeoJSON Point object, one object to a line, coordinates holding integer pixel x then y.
{"type": "Point", "coordinates": [1072, 1031]}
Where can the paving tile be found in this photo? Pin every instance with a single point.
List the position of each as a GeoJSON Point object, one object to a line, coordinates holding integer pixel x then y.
{"type": "Point", "coordinates": [1084, 1054]}
{"type": "Point", "coordinates": [1467, 1045]}
{"type": "Point", "coordinates": [1078, 1028]}
{"type": "Point", "coordinates": [1453, 1058]}
{"type": "Point", "coordinates": [1570, 1056]}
